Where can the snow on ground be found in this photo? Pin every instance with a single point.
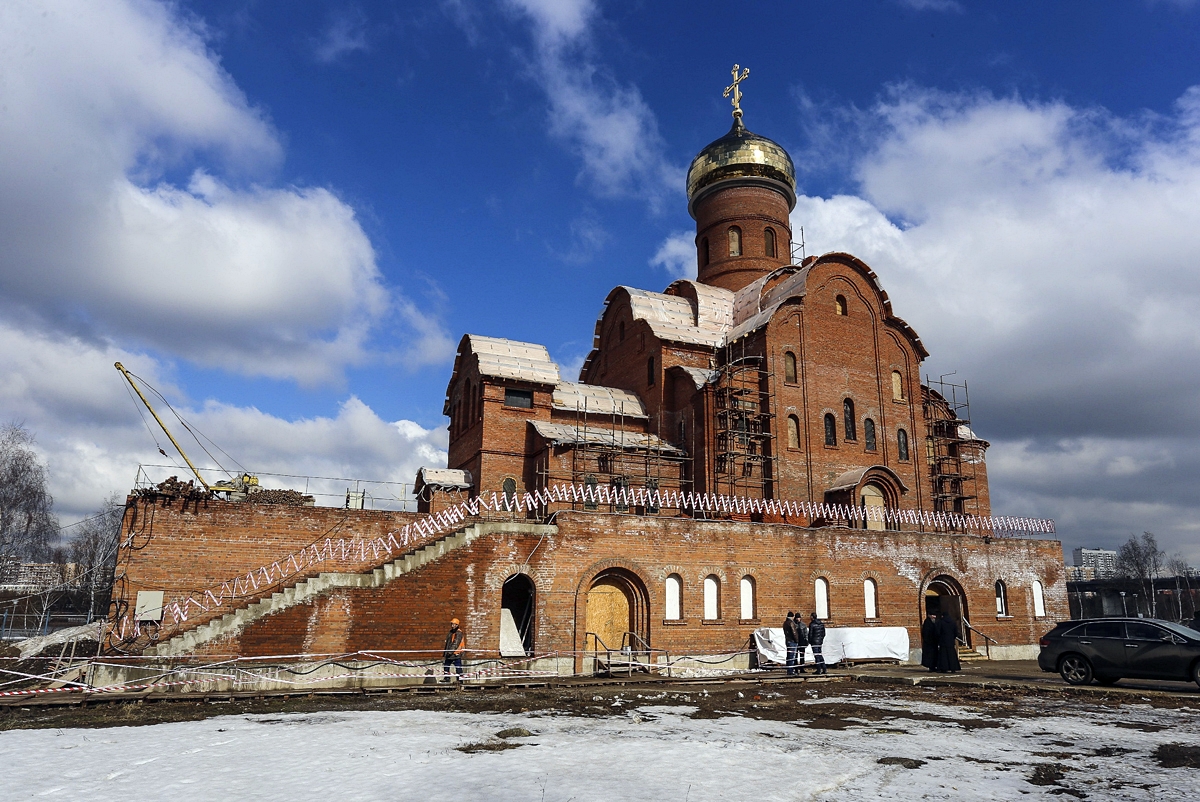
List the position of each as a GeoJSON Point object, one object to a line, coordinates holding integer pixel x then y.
{"type": "Point", "coordinates": [645, 753]}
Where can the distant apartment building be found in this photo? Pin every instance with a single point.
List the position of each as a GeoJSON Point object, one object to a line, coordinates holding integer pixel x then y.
{"type": "Point", "coordinates": [1101, 562]}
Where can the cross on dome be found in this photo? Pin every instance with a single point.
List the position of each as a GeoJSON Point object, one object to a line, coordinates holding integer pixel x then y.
{"type": "Point", "coordinates": [736, 90]}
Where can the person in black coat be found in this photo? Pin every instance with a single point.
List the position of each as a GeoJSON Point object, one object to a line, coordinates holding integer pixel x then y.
{"type": "Point", "coordinates": [801, 643]}
{"type": "Point", "coordinates": [816, 637]}
{"type": "Point", "coordinates": [947, 659]}
{"type": "Point", "coordinates": [929, 642]}
{"type": "Point", "coordinates": [791, 640]}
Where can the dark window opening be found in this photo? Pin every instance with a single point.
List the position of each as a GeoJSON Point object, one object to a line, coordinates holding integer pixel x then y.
{"type": "Point", "coordinates": [509, 488]}
{"type": "Point", "coordinates": [619, 482]}
{"type": "Point", "coordinates": [902, 445]}
{"type": "Point", "coordinates": [650, 371]}
{"type": "Point", "coordinates": [590, 485]}
{"type": "Point", "coordinates": [621, 332]}
{"type": "Point", "coordinates": [522, 399]}
{"type": "Point", "coordinates": [651, 489]}
{"type": "Point", "coordinates": [869, 432]}
{"type": "Point", "coordinates": [769, 242]}
{"type": "Point", "coordinates": [830, 430]}
{"type": "Point", "coordinates": [789, 367]}
{"type": "Point", "coordinates": [704, 252]}
{"type": "Point", "coordinates": [851, 425]}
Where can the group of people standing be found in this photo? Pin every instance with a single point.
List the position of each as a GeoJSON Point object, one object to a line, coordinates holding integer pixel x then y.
{"type": "Point", "coordinates": [939, 643]}
{"type": "Point", "coordinates": [797, 636]}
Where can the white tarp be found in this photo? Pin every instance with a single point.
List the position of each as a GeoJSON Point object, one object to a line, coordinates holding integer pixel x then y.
{"type": "Point", "coordinates": [841, 643]}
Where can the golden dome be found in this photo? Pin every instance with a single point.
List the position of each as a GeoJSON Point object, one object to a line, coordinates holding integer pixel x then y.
{"type": "Point", "coordinates": [743, 157]}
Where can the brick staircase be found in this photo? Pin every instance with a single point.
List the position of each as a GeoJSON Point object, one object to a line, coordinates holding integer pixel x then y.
{"type": "Point", "coordinates": [306, 590]}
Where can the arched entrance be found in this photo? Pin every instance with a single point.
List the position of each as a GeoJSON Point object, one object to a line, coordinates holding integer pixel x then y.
{"type": "Point", "coordinates": [617, 604]}
{"type": "Point", "coordinates": [872, 497]}
{"type": "Point", "coordinates": [517, 599]}
{"type": "Point", "coordinates": [944, 596]}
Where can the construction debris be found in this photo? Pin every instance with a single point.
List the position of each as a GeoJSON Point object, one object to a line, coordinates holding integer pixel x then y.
{"type": "Point", "coordinates": [171, 487]}
{"type": "Point", "coordinates": [288, 498]}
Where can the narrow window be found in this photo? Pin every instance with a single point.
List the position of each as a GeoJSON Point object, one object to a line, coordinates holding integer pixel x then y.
{"type": "Point", "coordinates": [793, 431]}
{"type": "Point", "coordinates": [1001, 598]}
{"type": "Point", "coordinates": [522, 399]}
{"type": "Point", "coordinates": [897, 386]}
{"type": "Point", "coordinates": [902, 445]}
{"type": "Point", "coordinates": [830, 430]}
{"type": "Point", "coordinates": [674, 609]}
{"type": "Point", "coordinates": [712, 598]}
{"type": "Point", "coordinates": [682, 432]}
{"type": "Point", "coordinates": [789, 367]}
{"type": "Point", "coordinates": [650, 371]}
{"type": "Point", "coordinates": [870, 599]}
{"type": "Point", "coordinates": [1039, 600]}
{"type": "Point", "coordinates": [589, 492]}
{"type": "Point", "coordinates": [769, 242]}
{"type": "Point", "coordinates": [839, 305]}
{"type": "Point", "coordinates": [704, 252]}
{"type": "Point", "coordinates": [510, 493]}
{"type": "Point", "coordinates": [618, 484]}
{"type": "Point", "coordinates": [822, 598]}
{"type": "Point", "coordinates": [652, 496]}
{"type": "Point", "coordinates": [621, 332]}
{"type": "Point", "coordinates": [747, 587]}
{"type": "Point", "coordinates": [735, 241]}
{"type": "Point", "coordinates": [869, 433]}
{"type": "Point", "coordinates": [848, 417]}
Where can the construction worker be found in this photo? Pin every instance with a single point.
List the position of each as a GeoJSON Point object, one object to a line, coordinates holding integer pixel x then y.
{"type": "Point", "coordinates": [452, 652]}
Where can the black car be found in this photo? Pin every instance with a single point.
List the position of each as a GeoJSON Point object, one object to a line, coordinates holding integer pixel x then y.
{"type": "Point", "coordinates": [1108, 649]}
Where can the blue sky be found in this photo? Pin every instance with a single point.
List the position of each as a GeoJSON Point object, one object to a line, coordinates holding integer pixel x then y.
{"type": "Point", "coordinates": [286, 214]}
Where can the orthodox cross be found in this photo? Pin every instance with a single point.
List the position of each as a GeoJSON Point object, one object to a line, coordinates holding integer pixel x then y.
{"type": "Point", "coordinates": [737, 92]}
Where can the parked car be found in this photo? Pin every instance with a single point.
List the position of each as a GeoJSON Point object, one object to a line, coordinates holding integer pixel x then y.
{"type": "Point", "coordinates": [1109, 649]}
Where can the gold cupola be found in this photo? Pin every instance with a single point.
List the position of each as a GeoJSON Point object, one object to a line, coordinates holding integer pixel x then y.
{"type": "Point", "coordinates": [741, 158]}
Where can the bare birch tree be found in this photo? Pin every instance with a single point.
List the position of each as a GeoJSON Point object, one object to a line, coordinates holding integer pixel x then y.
{"type": "Point", "coordinates": [28, 528]}
{"type": "Point", "coordinates": [1140, 558]}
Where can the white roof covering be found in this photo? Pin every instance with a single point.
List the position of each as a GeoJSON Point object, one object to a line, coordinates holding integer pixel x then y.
{"type": "Point", "coordinates": [445, 477]}
{"type": "Point", "coordinates": [566, 433]}
{"type": "Point", "coordinates": [508, 359]}
{"type": "Point", "coordinates": [671, 318]}
{"type": "Point", "coordinates": [699, 376]}
{"type": "Point", "coordinates": [597, 400]}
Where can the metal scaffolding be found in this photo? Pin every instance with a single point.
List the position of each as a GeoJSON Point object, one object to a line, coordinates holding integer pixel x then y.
{"type": "Point", "coordinates": [745, 453]}
{"type": "Point", "coordinates": [951, 448]}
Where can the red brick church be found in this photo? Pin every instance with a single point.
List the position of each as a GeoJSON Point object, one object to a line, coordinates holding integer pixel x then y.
{"type": "Point", "coordinates": [787, 387]}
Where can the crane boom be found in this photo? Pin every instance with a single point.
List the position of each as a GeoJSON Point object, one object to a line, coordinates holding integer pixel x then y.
{"type": "Point", "coordinates": [167, 431]}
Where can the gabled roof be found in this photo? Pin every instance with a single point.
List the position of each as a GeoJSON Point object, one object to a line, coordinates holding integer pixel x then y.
{"type": "Point", "coordinates": [444, 477]}
{"type": "Point", "coordinates": [499, 358]}
{"type": "Point", "coordinates": [595, 400]}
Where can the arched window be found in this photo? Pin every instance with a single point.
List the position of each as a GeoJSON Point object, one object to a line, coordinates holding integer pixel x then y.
{"type": "Point", "coordinates": [789, 367]}
{"type": "Point", "coordinates": [793, 431]}
{"type": "Point", "coordinates": [650, 372]}
{"type": "Point", "coordinates": [704, 252]}
{"type": "Point", "coordinates": [848, 418]}
{"type": "Point", "coordinates": [873, 505]}
{"type": "Point", "coordinates": [839, 305]}
{"type": "Point", "coordinates": [902, 445]}
{"type": "Point", "coordinates": [830, 430]}
{"type": "Point", "coordinates": [822, 598]}
{"type": "Point", "coordinates": [735, 241]}
{"type": "Point", "coordinates": [712, 598]}
{"type": "Point", "coordinates": [509, 488]}
{"type": "Point", "coordinates": [1039, 600]}
{"type": "Point", "coordinates": [897, 386]}
{"type": "Point", "coordinates": [870, 599]}
{"type": "Point", "coordinates": [749, 611]}
{"type": "Point", "coordinates": [674, 608]}
{"type": "Point", "coordinates": [621, 332]}
{"type": "Point", "coordinates": [589, 488]}
{"type": "Point", "coordinates": [769, 242]}
{"type": "Point", "coordinates": [869, 434]}
{"type": "Point", "coordinates": [1001, 598]}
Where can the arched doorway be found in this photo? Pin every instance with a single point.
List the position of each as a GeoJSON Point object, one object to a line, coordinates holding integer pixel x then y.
{"type": "Point", "coordinates": [872, 497]}
{"type": "Point", "coordinates": [517, 599]}
{"type": "Point", "coordinates": [944, 596]}
{"type": "Point", "coordinates": [617, 604]}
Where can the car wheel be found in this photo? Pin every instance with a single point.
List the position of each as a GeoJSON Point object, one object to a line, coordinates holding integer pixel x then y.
{"type": "Point", "coordinates": [1107, 680]}
{"type": "Point", "coordinates": [1075, 669]}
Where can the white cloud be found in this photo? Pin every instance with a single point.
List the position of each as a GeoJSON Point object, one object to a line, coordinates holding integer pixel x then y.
{"type": "Point", "coordinates": [609, 126]}
{"type": "Point", "coordinates": [222, 271]}
{"type": "Point", "coordinates": [346, 33]}
{"type": "Point", "coordinates": [677, 255]}
{"type": "Point", "coordinates": [89, 430]}
{"type": "Point", "coordinates": [1047, 253]}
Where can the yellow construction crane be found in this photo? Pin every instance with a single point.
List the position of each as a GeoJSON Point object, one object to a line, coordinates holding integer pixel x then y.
{"type": "Point", "coordinates": [239, 486]}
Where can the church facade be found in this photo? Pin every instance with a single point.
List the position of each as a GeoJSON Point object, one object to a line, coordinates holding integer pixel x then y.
{"type": "Point", "coordinates": [753, 441]}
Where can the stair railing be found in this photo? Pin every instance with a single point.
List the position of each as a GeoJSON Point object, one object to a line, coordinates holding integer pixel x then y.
{"type": "Point", "coordinates": [987, 639]}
